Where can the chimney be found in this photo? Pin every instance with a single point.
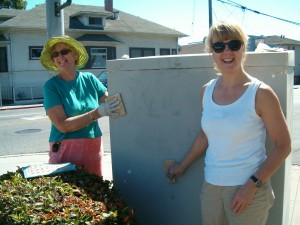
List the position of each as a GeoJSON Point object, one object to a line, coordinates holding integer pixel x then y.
{"type": "Point", "coordinates": [109, 5]}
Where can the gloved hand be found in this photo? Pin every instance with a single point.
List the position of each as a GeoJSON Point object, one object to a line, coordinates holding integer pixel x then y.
{"type": "Point", "coordinates": [109, 108]}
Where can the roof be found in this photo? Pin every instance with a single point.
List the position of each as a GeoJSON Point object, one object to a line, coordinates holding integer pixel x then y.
{"type": "Point", "coordinates": [194, 48]}
{"type": "Point", "coordinates": [276, 40]}
{"type": "Point", "coordinates": [10, 13]}
{"type": "Point", "coordinates": [95, 37]}
{"type": "Point", "coordinates": [126, 23]}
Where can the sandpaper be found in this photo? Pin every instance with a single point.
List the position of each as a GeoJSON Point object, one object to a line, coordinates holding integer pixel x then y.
{"type": "Point", "coordinates": [122, 111]}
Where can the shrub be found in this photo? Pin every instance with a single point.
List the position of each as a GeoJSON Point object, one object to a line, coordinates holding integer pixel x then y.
{"type": "Point", "coordinates": [74, 197]}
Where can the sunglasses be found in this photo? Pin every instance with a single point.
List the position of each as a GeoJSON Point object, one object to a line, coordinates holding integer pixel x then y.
{"type": "Point", "coordinates": [56, 146]}
{"type": "Point", "coordinates": [64, 51]}
{"type": "Point", "coordinates": [233, 45]}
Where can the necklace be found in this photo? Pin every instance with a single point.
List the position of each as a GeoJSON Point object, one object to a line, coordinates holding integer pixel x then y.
{"type": "Point", "coordinates": [74, 86]}
{"type": "Point", "coordinates": [71, 84]}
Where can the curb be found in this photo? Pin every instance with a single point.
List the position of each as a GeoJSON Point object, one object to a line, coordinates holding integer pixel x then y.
{"type": "Point", "coordinates": [24, 155]}
{"type": "Point", "coordinates": [20, 107]}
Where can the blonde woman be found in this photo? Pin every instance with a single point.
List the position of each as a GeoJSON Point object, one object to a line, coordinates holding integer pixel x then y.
{"type": "Point", "coordinates": [238, 110]}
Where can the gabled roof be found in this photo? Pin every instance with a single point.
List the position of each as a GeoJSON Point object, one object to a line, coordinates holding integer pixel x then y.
{"type": "Point", "coordinates": [126, 23]}
{"type": "Point", "coordinates": [276, 40]}
{"type": "Point", "coordinates": [10, 13]}
{"type": "Point", "coordinates": [193, 48]}
{"type": "Point", "coordinates": [96, 37]}
{"type": "Point", "coordinates": [29, 19]}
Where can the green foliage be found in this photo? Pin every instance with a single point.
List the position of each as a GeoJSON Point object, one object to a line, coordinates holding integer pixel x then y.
{"type": "Point", "coordinates": [74, 197]}
{"type": "Point", "coordinates": [13, 4]}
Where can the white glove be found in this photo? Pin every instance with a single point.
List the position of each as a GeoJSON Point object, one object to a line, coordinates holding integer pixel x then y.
{"type": "Point", "coordinates": [109, 108]}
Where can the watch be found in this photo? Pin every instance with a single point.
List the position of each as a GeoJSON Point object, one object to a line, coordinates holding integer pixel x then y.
{"type": "Point", "coordinates": [257, 182]}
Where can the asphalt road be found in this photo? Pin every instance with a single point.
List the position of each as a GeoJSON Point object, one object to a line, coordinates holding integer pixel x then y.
{"type": "Point", "coordinates": [24, 131]}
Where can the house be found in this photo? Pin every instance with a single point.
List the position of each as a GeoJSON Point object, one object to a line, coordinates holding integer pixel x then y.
{"type": "Point", "coordinates": [192, 48]}
{"type": "Point", "coordinates": [279, 42]}
{"type": "Point", "coordinates": [105, 32]}
{"type": "Point", "coordinates": [272, 41]}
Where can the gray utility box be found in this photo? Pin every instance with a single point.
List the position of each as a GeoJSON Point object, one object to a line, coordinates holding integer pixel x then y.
{"type": "Point", "coordinates": [161, 97]}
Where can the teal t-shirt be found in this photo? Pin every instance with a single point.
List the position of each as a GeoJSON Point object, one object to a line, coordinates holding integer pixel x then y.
{"type": "Point", "coordinates": [77, 97]}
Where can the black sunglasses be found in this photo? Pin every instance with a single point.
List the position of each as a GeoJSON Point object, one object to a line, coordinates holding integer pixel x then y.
{"type": "Point", "coordinates": [56, 146]}
{"type": "Point", "coordinates": [64, 51]}
{"type": "Point", "coordinates": [233, 45]}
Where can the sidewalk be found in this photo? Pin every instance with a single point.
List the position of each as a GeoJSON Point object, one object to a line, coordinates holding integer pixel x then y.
{"type": "Point", "coordinates": [11, 107]}
{"type": "Point", "coordinates": [12, 162]}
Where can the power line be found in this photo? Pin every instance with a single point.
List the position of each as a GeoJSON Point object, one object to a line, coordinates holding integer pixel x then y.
{"type": "Point", "coordinates": [244, 8]}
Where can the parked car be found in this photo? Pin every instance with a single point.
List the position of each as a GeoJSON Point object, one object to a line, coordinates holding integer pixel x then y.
{"type": "Point", "coordinates": [103, 78]}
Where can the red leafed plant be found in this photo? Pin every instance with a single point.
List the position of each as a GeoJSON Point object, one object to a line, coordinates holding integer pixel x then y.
{"type": "Point", "coordinates": [74, 197]}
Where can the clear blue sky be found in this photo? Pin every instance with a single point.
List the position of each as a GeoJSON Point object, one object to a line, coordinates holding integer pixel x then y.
{"type": "Point", "coordinates": [191, 16]}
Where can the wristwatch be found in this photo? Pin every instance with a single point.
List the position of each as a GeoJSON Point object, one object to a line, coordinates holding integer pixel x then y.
{"type": "Point", "coordinates": [257, 182]}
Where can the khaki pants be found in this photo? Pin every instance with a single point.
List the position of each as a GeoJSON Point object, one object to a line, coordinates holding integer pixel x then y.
{"type": "Point", "coordinates": [216, 201]}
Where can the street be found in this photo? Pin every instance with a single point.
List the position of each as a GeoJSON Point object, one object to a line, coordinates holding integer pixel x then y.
{"type": "Point", "coordinates": [24, 131]}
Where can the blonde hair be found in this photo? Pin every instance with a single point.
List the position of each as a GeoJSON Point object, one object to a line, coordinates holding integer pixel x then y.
{"type": "Point", "coordinates": [226, 29]}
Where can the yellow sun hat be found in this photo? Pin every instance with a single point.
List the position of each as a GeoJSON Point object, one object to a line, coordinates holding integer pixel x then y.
{"type": "Point", "coordinates": [46, 58]}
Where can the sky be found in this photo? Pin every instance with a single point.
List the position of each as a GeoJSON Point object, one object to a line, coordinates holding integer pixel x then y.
{"type": "Point", "coordinates": [191, 17]}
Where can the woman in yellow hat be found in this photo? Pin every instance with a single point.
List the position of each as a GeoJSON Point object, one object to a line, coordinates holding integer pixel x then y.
{"type": "Point", "coordinates": [73, 101]}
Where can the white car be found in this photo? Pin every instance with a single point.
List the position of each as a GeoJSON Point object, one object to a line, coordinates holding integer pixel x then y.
{"type": "Point", "coordinates": [103, 77]}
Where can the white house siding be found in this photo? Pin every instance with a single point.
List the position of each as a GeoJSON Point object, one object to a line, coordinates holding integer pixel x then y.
{"type": "Point", "coordinates": [4, 76]}
{"type": "Point", "coordinates": [143, 41]}
{"type": "Point", "coordinates": [26, 76]}
{"type": "Point", "coordinates": [297, 61]}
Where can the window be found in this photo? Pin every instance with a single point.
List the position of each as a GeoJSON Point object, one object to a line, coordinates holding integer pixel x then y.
{"type": "Point", "coordinates": [165, 51]}
{"type": "Point", "coordinates": [3, 60]}
{"type": "Point", "coordinates": [98, 57]}
{"type": "Point", "coordinates": [141, 52]}
{"type": "Point", "coordinates": [35, 52]}
{"type": "Point", "coordinates": [95, 21]}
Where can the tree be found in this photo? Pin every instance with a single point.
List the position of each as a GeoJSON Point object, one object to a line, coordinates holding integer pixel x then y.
{"type": "Point", "coordinates": [13, 4]}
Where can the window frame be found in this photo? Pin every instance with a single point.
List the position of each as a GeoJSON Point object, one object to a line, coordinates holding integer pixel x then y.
{"type": "Point", "coordinates": [31, 48]}
{"type": "Point", "coordinates": [165, 51]}
{"type": "Point", "coordinates": [96, 19]}
{"type": "Point", "coordinates": [3, 59]}
{"type": "Point", "coordinates": [170, 51]}
{"type": "Point", "coordinates": [98, 54]}
{"type": "Point", "coordinates": [143, 50]}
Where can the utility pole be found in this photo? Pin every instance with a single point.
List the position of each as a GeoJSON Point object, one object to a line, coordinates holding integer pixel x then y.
{"type": "Point", "coordinates": [55, 17]}
{"type": "Point", "coordinates": [210, 12]}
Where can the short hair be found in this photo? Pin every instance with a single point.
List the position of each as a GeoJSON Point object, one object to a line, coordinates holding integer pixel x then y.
{"type": "Point", "coordinates": [226, 29]}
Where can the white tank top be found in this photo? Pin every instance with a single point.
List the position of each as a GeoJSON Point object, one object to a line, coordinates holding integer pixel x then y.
{"type": "Point", "coordinates": [236, 137]}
